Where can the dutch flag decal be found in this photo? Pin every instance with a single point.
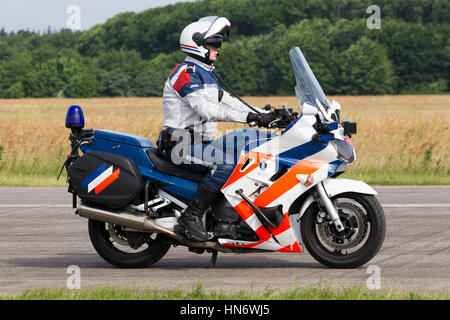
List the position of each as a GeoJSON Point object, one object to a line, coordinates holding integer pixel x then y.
{"type": "Point", "coordinates": [100, 179]}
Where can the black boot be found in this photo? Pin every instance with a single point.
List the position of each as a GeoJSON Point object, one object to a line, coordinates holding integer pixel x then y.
{"type": "Point", "coordinates": [191, 218]}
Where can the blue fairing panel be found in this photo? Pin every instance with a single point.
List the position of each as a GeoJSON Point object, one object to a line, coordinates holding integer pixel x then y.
{"type": "Point", "coordinates": [294, 155]}
{"type": "Point", "coordinates": [123, 144]}
{"type": "Point", "coordinates": [121, 137]}
{"type": "Point", "coordinates": [180, 187]}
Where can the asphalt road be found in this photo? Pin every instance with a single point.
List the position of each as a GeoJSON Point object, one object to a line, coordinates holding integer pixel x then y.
{"type": "Point", "coordinates": [40, 237]}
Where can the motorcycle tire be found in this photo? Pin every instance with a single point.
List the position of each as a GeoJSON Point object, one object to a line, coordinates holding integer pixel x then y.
{"type": "Point", "coordinates": [103, 244]}
{"type": "Point", "coordinates": [369, 221]}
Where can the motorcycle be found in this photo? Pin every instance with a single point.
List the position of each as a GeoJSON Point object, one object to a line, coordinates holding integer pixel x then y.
{"type": "Point", "coordinates": [283, 195]}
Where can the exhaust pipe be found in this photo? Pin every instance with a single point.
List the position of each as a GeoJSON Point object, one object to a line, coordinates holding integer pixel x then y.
{"type": "Point", "coordinates": [123, 218]}
{"type": "Point", "coordinates": [144, 223]}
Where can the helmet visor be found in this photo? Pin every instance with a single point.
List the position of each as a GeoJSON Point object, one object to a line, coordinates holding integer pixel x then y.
{"type": "Point", "coordinates": [214, 42]}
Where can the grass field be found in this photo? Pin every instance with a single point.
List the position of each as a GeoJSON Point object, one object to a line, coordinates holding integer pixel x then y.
{"type": "Point", "coordinates": [318, 292]}
{"type": "Point", "coordinates": [400, 140]}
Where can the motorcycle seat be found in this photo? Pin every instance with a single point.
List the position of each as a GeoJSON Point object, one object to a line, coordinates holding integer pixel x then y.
{"type": "Point", "coordinates": [164, 166]}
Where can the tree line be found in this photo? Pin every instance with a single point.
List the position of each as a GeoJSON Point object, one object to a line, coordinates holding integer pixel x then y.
{"type": "Point", "coordinates": [132, 53]}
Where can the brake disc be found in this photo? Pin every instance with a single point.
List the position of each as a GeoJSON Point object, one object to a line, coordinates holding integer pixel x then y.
{"type": "Point", "coordinates": [351, 236]}
{"type": "Point", "coordinates": [116, 237]}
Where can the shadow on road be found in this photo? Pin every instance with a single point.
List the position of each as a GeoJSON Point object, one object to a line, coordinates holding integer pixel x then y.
{"type": "Point", "coordinates": [223, 262]}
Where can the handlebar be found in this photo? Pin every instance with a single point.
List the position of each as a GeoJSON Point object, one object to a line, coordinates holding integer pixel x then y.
{"type": "Point", "coordinates": [283, 117]}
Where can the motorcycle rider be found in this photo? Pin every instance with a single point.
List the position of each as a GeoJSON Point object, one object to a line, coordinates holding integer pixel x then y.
{"type": "Point", "coordinates": [193, 104]}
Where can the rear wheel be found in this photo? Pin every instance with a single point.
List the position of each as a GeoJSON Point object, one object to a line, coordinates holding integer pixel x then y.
{"type": "Point", "coordinates": [127, 249]}
{"type": "Point", "coordinates": [364, 229]}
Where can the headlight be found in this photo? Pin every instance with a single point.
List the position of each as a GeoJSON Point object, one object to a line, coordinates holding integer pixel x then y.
{"type": "Point", "coordinates": [344, 150]}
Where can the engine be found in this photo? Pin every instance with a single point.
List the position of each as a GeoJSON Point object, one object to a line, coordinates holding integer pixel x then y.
{"type": "Point", "coordinates": [229, 224]}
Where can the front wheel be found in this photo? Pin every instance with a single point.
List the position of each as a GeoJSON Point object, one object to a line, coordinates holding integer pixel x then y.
{"type": "Point", "coordinates": [127, 249]}
{"type": "Point", "coordinates": [364, 229]}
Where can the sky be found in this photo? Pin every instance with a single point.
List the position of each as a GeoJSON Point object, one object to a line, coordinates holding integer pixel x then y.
{"type": "Point", "coordinates": [38, 15]}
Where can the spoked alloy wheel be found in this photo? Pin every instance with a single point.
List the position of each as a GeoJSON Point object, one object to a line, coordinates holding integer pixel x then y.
{"type": "Point", "coordinates": [127, 249]}
{"type": "Point", "coordinates": [364, 229]}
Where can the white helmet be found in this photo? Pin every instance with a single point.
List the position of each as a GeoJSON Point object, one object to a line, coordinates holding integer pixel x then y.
{"type": "Point", "coordinates": [207, 30]}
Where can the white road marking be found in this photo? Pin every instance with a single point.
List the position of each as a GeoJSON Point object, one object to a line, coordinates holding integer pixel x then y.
{"type": "Point", "coordinates": [387, 205]}
{"type": "Point", "coordinates": [415, 205]}
{"type": "Point", "coordinates": [35, 206]}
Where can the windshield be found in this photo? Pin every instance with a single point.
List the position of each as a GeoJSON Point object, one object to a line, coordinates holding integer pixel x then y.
{"type": "Point", "coordinates": [307, 88]}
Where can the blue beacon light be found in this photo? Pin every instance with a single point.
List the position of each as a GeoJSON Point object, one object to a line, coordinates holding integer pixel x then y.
{"type": "Point", "coordinates": [75, 117]}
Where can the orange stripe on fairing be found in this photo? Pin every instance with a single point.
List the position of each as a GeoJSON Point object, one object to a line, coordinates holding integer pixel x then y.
{"type": "Point", "coordinates": [280, 187]}
{"type": "Point", "coordinates": [244, 210]}
{"type": "Point", "coordinates": [287, 182]}
{"type": "Point", "coordinates": [237, 174]}
{"type": "Point", "coordinates": [276, 190]}
{"type": "Point", "coordinates": [295, 247]}
{"type": "Point", "coordinates": [263, 234]}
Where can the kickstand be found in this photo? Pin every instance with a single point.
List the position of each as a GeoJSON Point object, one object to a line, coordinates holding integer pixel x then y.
{"type": "Point", "coordinates": [213, 260]}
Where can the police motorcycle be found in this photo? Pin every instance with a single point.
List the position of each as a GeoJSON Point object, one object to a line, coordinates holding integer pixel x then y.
{"type": "Point", "coordinates": [283, 195]}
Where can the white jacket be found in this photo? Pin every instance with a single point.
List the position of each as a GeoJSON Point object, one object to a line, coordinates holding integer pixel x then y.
{"type": "Point", "coordinates": [191, 100]}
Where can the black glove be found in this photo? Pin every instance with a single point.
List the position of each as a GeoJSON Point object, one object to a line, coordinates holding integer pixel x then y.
{"type": "Point", "coordinates": [261, 119]}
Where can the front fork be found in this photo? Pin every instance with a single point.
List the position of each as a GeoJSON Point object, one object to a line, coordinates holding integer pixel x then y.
{"type": "Point", "coordinates": [329, 206]}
